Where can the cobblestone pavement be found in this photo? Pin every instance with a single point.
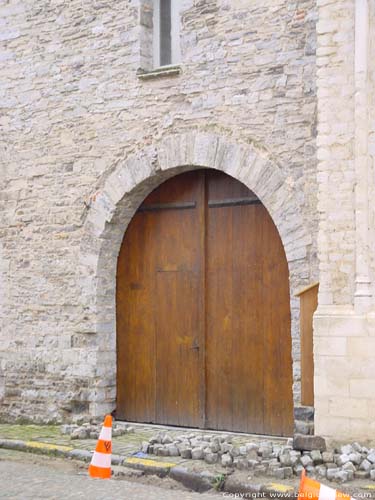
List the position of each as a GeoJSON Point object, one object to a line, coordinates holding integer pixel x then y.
{"type": "Point", "coordinates": [25, 477]}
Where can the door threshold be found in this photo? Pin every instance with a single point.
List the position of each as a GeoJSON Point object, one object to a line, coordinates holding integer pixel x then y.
{"type": "Point", "coordinates": [178, 429]}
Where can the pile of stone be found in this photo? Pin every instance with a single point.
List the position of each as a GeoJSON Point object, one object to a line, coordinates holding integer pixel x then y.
{"type": "Point", "coordinates": [266, 458]}
{"type": "Point", "coordinates": [92, 431]}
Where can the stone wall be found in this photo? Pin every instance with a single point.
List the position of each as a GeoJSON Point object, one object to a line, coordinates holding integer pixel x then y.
{"type": "Point", "coordinates": [75, 113]}
{"type": "Point", "coordinates": [344, 330]}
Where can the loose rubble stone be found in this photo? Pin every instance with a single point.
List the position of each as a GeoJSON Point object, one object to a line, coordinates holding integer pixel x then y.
{"type": "Point", "coordinates": [242, 463]}
{"type": "Point", "coordinates": [167, 439]}
{"type": "Point", "coordinates": [331, 474]}
{"type": "Point", "coordinates": [279, 473]}
{"type": "Point", "coordinates": [342, 476]}
{"type": "Point", "coordinates": [215, 447]}
{"type": "Point", "coordinates": [306, 460]}
{"type": "Point", "coordinates": [211, 458]}
{"type": "Point", "coordinates": [309, 443]}
{"type": "Point", "coordinates": [372, 474]}
{"type": "Point", "coordinates": [265, 451]}
{"type": "Point", "coordinates": [327, 456]}
{"type": "Point", "coordinates": [301, 427]}
{"type": "Point", "coordinates": [226, 460]}
{"type": "Point", "coordinates": [361, 474]}
{"type": "Point", "coordinates": [285, 459]}
{"type": "Point", "coordinates": [357, 447]}
{"type": "Point", "coordinates": [342, 459]}
{"type": "Point", "coordinates": [371, 456]}
{"type": "Point", "coordinates": [349, 466]}
{"type": "Point", "coordinates": [355, 457]}
{"type": "Point", "coordinates": [321, 471]}
{"type": "Point", "coordinates": [145, 447]}
{"type": "Point", "coordinates": [273, 459]}
{"type": "Point", "coordinates": [346, 449]}
{"type": "Point", "coordinates": [226, 447]}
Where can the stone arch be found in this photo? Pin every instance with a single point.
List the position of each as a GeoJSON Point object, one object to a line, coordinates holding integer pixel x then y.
{"type": "Point", "coordinates": [111, 208]}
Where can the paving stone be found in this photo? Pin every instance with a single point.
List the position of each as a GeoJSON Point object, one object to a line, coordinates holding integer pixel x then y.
{"type": "Point", "coordinates": [355, 457]}
{"type": "Point", "coordinates": [172, 450]}
{"type": "Point", "coordinates": [365, 465]}
{"type": "Point", "coordinates": [186, 453]}
{"type": "Point", "coordinates": [316, 457]}
{"type": "Point", "coordinates": [361, 474]}
{"type": "Point", "coordinates": [197, 454]}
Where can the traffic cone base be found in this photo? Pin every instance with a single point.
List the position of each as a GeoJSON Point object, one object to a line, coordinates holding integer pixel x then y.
{"type": "Point", "coordinates": [100, 466]}
{"type": "Point", "coordinates": [313, 490]}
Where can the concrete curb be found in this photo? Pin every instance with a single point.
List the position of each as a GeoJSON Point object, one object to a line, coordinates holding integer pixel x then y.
{"type": "Point", "coordinates": [195, 481]}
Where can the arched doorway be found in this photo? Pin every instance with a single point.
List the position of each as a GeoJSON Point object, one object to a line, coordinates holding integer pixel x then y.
{"type": "Point", "coordinates": [203, 311]}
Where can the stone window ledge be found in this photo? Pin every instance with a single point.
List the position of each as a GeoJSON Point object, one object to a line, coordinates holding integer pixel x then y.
{"type": "Point", "coordinates": [162, 72]}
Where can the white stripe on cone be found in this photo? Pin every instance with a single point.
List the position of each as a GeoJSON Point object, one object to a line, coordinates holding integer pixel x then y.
{"type": "Point", "coordinates": [326, 493]}
{"type": "Point", "coordinates": [101, 459]}
{"type": "Point", "coordinates": [106, 434]}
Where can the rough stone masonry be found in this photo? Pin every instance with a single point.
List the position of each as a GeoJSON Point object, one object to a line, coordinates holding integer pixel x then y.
{"type": "Point", "coordinates": [85, 137]}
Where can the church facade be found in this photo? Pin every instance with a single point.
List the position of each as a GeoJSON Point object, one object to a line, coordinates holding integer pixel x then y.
{"type": "Point", "coordinates": [192, 139]}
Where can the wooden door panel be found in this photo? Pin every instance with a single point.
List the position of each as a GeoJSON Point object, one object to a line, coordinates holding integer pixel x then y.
{"type": "Point", "coordinates": [247, 291]}
{"type": "Point", "coordinates": [136, 331]}
{"type": "Point", "coordinates": [159, 302]}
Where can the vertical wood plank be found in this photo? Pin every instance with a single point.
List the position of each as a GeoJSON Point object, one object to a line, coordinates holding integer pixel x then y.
{"type": "Point", "coordinates": [309, 303]}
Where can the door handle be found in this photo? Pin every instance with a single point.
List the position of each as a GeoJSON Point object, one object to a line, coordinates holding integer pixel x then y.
{"type": "Point", "coordinates": [195, 345]}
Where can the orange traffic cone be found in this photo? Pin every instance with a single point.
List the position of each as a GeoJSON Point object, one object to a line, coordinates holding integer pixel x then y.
{"type": "Point", "coordinates": [312, 490]}
{"type": "Point", "coordinates": [101, 460]}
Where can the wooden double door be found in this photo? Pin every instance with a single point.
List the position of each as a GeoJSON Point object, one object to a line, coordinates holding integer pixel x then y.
{"type": "Point", "coordinates": [203, 314]}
